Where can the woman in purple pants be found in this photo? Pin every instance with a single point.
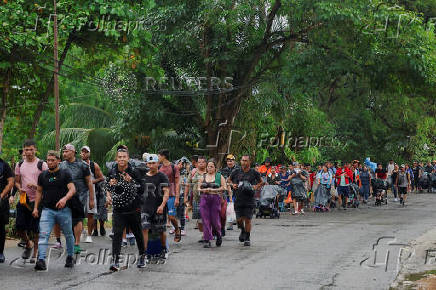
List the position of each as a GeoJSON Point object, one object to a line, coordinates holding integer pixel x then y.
{"type": "Point", "coordinates": [211, 187]}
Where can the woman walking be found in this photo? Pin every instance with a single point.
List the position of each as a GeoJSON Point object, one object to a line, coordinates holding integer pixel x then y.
{"type": "Point", "coordinates": [211, 185]}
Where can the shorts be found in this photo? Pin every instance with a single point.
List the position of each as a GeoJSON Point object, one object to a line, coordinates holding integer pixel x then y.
{"type": "Point", "coordinates": [91, 211]}
{"type": "Point", "coordinates": [157, 223]}
{"type": "Point", "coordinates": [172, 210]}
{"type": "Point", "coordinates": [25, 221]}
{"type": "Point", "coordinates": [343, 190]}
{"type": "Point", "coordinates": [402, 190]}
{"type": "Point", "coordinates": [244, 211]}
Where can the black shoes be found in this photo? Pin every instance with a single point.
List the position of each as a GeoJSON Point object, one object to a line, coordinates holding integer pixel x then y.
{"type": "Point", "coordinates": [69, 263]}
{"type": "Point", "coordinates": [95, 233]}
{"type": "Point", "coordinates": [207, 245]}
{"type": "Point", "coordinates": [219, 241]}
{"type": "Point", "coordinates": [40, 265]}
{"type": "Point", "coordinates": [247, 240]}
{"type": "Point", "coordinates": [242, 236]}
{"type": "Point", "coordinates": [102, 231]}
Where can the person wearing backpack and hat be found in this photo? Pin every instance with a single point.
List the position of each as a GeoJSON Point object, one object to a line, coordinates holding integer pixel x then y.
{"type": "Point", "coordinates": [26, 180]}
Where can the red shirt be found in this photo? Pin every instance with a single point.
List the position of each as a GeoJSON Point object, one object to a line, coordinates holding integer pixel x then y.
{"type": "Point", "coordinates": [348, 175]}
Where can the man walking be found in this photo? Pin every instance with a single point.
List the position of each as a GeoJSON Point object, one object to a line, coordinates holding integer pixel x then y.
{"type": "Point", "coordinates": [55, 188]}
{"type": "Point", "coordinates": [26, 179]}
{"type": "Point", "coordinates": [6, 185]}
{"type": "Point", "coordinates": [85, 191]}
{"type": "Point", "coordinates": [123, 190]}
{"type": "Point", "coordinates": [245, 182]}
{"type": "Point", "coordinates": [96, 177]}
{"type": "Point", "coordinates": [173, 174]}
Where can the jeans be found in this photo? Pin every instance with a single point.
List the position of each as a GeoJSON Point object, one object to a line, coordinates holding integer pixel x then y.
{"type": "Point", "coordinates": [210, 208]}
{"type": "Point", "coordinates": [50, 217]}
{"type": "Point", "coordinates": [119, 222]}
{"type": "Point", "coordinates": [365, 191]}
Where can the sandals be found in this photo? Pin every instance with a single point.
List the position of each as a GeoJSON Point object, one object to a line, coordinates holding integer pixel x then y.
{"type": "Point", "coordinates": [178, 235]}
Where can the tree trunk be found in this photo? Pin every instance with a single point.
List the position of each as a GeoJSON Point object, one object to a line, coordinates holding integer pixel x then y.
{"type": "Point", "coordinates": [49, 90]}
{"type": "Point", "coordinates": [3, 108]}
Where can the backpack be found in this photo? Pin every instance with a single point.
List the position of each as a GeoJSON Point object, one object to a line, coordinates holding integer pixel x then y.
{"type": "Point", "coordinates": [39, 165]}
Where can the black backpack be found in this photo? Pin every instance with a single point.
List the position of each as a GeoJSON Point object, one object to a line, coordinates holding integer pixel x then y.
{"type": "Point", "coordinates": [39, 165]}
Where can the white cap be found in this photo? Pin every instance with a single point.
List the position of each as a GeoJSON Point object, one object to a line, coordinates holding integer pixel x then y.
{"type": "Point", "coordinates": [144, 156]}
{"type": "Point", "coordinates": [86, 148]}
{"type": "Point", "coordinates": [152, 158]}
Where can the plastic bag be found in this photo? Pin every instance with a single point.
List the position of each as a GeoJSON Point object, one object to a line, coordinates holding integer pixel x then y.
{"type": "Point", "coordinates": [231, 215]}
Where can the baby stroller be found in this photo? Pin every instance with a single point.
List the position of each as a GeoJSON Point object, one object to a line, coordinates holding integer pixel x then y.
{"type": "Point", "coordinates": [321, 199]}
{"type": "Point", "coordinates": [353, 199]}
{"type": "Point", "coordinates": [380, 192]}
{"type": "Point", "coordinates": [269, 201]}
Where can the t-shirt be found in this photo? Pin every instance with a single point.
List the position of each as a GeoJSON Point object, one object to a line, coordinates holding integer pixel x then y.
{"type": "Point", "coordinates": [284, 182]}
{"type": "Point", "coordinates": [79, 171]}
{"type": "Point", "coordinates": [154, 192]}
{"type": "Point", "coordinates": [29, 173]}
{"type": "Point", "coordinates": [5, 173]}
{"type": "Point", "coordinates": [253, 177]}
{"type": "Point", "coordinates": [402, 179]}
{"type": "Point", "coordinates": [168, 170]}
{"type": "Point", "coordinates": [380, 173]}
{"type": "Point", "coordinates": [325, 178]}
{"type": "Point", "coordinates": [54, 186]}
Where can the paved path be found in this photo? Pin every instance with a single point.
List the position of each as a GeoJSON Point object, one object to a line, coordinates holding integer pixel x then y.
{"type": "Point", "coordinates": [315, 251]}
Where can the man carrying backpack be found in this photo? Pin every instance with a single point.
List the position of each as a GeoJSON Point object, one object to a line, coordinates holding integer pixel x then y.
{"type": "Point", "coordinates": [6, 185]}
{"type": "Point", "coordinates": [26, 180]}
{"type": "Point", "coordinates": [96, 178]}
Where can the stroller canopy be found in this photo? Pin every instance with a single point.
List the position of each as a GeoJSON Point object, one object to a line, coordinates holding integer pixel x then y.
{"type": "Point", "coordinates": [269, 192]}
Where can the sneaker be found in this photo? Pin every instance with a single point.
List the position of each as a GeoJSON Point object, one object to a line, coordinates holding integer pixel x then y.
{"type": "Point", "coordinates": [219, 241]}
{"type": "Point", "coordinates": [148, 259]}
{"type": "Point", "coordinates": [69, 262]}
{"type": "Point", "coordinates": [302, 211]}
{"type": "Point", "coordinates": [40, 266]}
{"type": "Point", "coordinates": [172, 231]}
{"type": "Point", "coordinates": [164, 254]}
{"type": "Point", "coordinates": [2, 258]}
{"type": "Point", "coordinates": [183, 233]}
{"type": "Point", "coordinates": [124, 243]}
{"type": "Point", "coordinates": [88, 239]}
{"type": "Point", "coordinates": [242, 236]}
{"type": "Point", "coordinates": [129, 235]}
{"type": "Point", "coordinates": [395, 199]}
{"type": "Point", "coordinates": [32, 260]}
{"type": "Point", "coordinates": [26, 253]}
{"type": "Point", "coordinates": [207, 245]}
{"type": "Point", "coordinates": [77, 249]}
{"type": "Point", "coordinates": [115, 266]}
{"type": "Point", "coordinates": [141, 262]}
{"type": "Point", "coordinates": [247, 243]}
{"type": "Point", "coordinates": [57, 245]}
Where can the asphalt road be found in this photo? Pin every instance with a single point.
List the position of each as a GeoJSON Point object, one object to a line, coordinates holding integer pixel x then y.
{"type": "Point", "coordinates": [336, 250]}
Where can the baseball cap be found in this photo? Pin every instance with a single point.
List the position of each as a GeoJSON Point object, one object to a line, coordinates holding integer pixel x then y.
{"type": "Point", "coordinates": [402, 166]}
{"type": "Point", "coordinates": [144, 156]}
{"type": "Point", "coordinates": [86, 148]}
{"type": "Point", "coordinates": [152, 158]}
{"type": "Point", "coordinates": [69, 147]}
{"type": "Point", "coordinates": [231, 157]}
